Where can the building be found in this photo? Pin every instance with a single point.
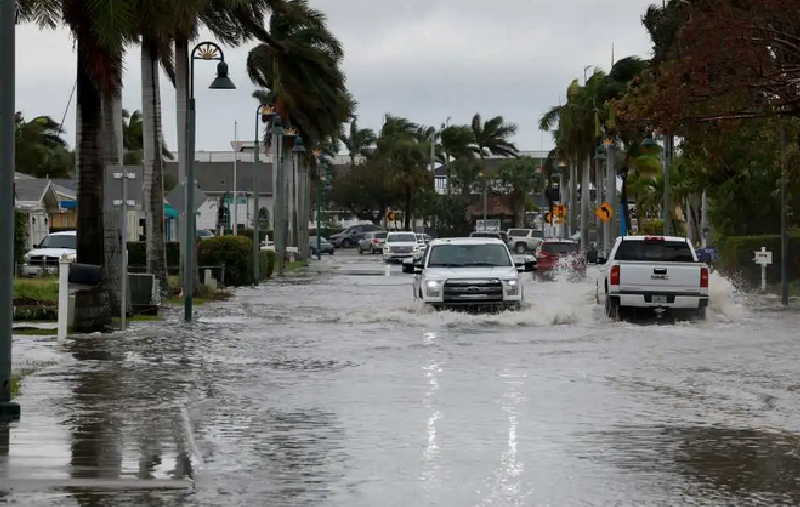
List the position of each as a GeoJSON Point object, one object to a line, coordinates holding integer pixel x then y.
{"type": "Point", "coordinates": [42, 202]}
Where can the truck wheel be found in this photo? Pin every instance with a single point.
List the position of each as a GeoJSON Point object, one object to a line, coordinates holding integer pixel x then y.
{"type": "Point", "coordinates": [520, 248]}
{"type": "Point", "coordinates": [613, 310]}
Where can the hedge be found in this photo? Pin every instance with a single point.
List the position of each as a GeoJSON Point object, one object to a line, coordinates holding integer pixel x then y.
{"type": "Point", "coordinates": [233, 252]}
{"type": "Point", "coordinates": [736, 258]}
{"type": "Point", "coordinates": [137, 253]}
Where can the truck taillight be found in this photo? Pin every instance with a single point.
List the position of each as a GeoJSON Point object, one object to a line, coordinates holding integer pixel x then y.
{"type": "Point", "coordinates": [654, 239]}
{"type": "Point", "coordinates": [704, 278]}
{"type": "Point", "coordinates": [614, 278]}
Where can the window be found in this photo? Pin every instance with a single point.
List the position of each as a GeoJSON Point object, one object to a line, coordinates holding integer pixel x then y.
{"type": "Point", "coordinates": [402, 238]}
{"type": "Point", "coordinates": [518, 232]}
{"type": "Point", "coordinates": [560, 248]}
{"type": "Point", "coordinates": [468, 255]}
{"type": "Point", "coordinates": [665, 251]}
{"type": "Point", "coordinates": [60, 241]}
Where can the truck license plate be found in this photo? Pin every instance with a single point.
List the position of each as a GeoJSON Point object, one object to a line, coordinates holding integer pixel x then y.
{"type": "Point", "coordinates": [660, 300]}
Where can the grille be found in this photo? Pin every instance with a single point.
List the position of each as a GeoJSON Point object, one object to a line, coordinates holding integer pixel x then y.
{"type": "Point", "coordinates": [468, 291]}
{"type": "Point", "coordinates": [43, 260]}
{"type": "Point", "coordinates": [401, 249]}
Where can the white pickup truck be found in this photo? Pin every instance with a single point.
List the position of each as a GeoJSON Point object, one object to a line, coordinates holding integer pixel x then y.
{"type": "Point", "coordinates": [655, 272]}
{"type": "Point", "coordinates": [473, 273]}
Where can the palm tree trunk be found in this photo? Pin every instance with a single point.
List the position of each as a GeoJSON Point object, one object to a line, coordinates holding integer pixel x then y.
{"type": "Point", "coordinates": [93, 313]}
{"type": "Point", "coordinates": [153, 165]}
{"type": "Point", "coordinates": [113, 240]}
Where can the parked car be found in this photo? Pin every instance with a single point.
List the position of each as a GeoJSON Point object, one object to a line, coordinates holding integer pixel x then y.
{"type": "Point", "coordinates": [521, 241]}
{"type": "Point", "coordinates": [203, 234]}
{"type": "Point", "coordinates": [325, 246]}
{"type": "Point", "coordinates": [473, 273]}
{"type": "Point", "coordinates": [556, 254]}
{"type": "Point", "coordinates": [400, 245]}
{"type": "Point", "coordinates": [44, 258]}
{"type": "Point", "coordinates": [372, 242]}
{"type": "Point", "coordinates": [658, 273]}
{"type": "Point", "coordinates": [350, 237]}
{"type": "Point", "coordinates": [490, 234]}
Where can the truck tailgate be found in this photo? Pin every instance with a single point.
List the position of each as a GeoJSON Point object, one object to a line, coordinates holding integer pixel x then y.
{"type": "Point", "coordinates": [656, 277]}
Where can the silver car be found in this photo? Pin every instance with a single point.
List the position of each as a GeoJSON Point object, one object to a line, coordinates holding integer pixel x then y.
{"type": "Point", "coordinates": [372, 242]}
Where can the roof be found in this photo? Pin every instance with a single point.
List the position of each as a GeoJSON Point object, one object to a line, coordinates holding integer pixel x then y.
{"type": "Point", "coordinates": [659, 238]}
{"type": "Point", "coordinates": [30, 189]}
{"type": "Point", "coordinates": [465, 241]}
{"type": "Point", "coordinates": [217, 177]}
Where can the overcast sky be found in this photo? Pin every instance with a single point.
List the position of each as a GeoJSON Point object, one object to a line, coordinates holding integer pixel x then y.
{"type": "Point", "coordinates": [424, 59]}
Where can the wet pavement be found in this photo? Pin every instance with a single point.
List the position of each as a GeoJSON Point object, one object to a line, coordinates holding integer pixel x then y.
{"type": "Point", "coordinates": [333, 387]}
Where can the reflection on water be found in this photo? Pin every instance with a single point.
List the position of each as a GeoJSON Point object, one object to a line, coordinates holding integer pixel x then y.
{"type": "Point", "coordinates": [723, 463]}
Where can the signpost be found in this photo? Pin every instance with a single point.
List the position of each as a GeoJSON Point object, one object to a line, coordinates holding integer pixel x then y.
{"type": "Point", "coordinates": [123, 203]}
{"type": "Point", "coordinates": [764, 259]}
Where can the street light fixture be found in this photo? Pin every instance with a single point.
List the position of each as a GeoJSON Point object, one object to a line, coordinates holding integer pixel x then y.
{"type": "Point", "coordinates": [202, 51]}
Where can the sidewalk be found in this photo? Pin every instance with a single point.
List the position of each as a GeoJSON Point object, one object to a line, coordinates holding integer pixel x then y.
{"type": "Point", "coordinates": [82, 435]}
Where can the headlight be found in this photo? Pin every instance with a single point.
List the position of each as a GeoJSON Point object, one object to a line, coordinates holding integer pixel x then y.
{"type": "Point", "coordinates": [433, 288]}
{"type": "Point", "coordinates": [512, 287]}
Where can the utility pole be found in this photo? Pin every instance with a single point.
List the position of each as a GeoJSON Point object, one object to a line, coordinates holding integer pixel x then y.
{"type": "Point", "coordinates": [669, 146]}
{"type": "Point", "coordinates": [9, 410]}
{"type": "Point", "coordinates": [784, 232]}
{"type": "Point", "coordinates": [585, 204]}
{"type": "Point", "coordinates": [610, 228]}
{"type": "Point", "coordinates": [235, 161]}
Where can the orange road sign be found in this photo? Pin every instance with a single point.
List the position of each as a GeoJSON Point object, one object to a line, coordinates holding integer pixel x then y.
{"type": "Point", "coordinates": [605, 212]}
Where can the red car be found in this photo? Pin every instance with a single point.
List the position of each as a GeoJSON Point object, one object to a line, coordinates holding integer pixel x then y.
{"type": "Point", "coordinates": [559, 254]}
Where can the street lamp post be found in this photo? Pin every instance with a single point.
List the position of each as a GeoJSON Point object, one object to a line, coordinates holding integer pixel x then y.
{"type": "Point", "coordinates": [300, 219]}
{"type": "Point", "coordinates": [202, 51]}
{"type": "Point", "coordinates": [8, 408]}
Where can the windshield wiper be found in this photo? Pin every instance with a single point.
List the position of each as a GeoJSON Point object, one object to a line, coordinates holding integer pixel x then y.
{"type": "Point", "coordinates": [492, 264]}
{"type": "Point", "coordinates": [445, 265]}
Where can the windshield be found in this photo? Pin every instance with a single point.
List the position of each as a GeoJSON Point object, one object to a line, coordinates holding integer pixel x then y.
{"type": "Point", "coordinates": [402, 238]}
{"type": "Point", "coordinates": [560, 248]}
{"type": "Point", "coordinates": [665, 251]}
{"type": "Point", "coordinates": [468, 255]}
{"type": "Point", "coordinates": [60, 241]}
{"type": "Point", "coordinates": [381, 235]}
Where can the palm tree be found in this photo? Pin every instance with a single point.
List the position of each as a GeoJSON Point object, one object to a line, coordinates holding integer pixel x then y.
{"type": "Point", "coordinates": [491, 137]}
{"type": "Point", "coordinates": [457, 142]}
{"type": "Point", "coordinates": [299, 63]}
{"type": "Point", "coordinates": [358, 142]}
{"type": "Point", "coordinates": [521, 177]}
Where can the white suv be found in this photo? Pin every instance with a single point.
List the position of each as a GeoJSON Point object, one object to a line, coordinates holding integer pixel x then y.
{"type": "Point", "coordinates": [472, 273]}
{"type": "Point", "coordinates": [400, 245]}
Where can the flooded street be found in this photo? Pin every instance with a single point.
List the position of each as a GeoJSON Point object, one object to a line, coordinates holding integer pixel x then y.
{"type": "Point", "coordinates": [333, 387]}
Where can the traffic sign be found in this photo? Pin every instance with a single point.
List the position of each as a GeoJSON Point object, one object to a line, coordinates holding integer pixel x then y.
{"type": "Point", "coordinates": [763, 257]}
{"type": "Point", "coordinates": [560, 210]}
{"type": "Point", "coordinates": [605, 212]}
{"type": "Point", "coordinates": [391, 216]}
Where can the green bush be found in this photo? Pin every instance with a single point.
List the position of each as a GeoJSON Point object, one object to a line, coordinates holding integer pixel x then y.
{"type": "Point", "coordinates": [233, 252]}
{"type": "Point", "coordinates": [20, 236]}
{"type": "Point", "coordinates": [248, 233]}
{"type": "Point", "coordinates": [736, 258]}
{"type": "Point", "coordinates": [266, 264]}
{"type": "Point", "coordinates": [137, 253]}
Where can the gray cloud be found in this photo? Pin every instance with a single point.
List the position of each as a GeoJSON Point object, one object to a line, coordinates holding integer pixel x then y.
{"type": "Point", "coordinates": [424, 59]}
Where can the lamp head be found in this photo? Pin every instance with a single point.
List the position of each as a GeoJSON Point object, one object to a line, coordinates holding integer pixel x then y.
{"type": "Point", "coordinates": [299, 147]}
{"type": "Point", "coordinates": [222, 81]}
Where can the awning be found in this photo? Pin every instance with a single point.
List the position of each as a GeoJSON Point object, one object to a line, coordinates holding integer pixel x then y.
{"type": "Point", "coordinates": [169, 211]}
{"type": "Point", "coordinates": [68, 204]}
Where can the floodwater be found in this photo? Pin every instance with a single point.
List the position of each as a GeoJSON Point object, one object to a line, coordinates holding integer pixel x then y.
{"type": "Point", "coordinates": [335, 388]}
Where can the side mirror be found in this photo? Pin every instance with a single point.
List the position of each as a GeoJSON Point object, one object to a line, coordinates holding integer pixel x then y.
{"type": "Point", "coordinates": [601, 260]}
